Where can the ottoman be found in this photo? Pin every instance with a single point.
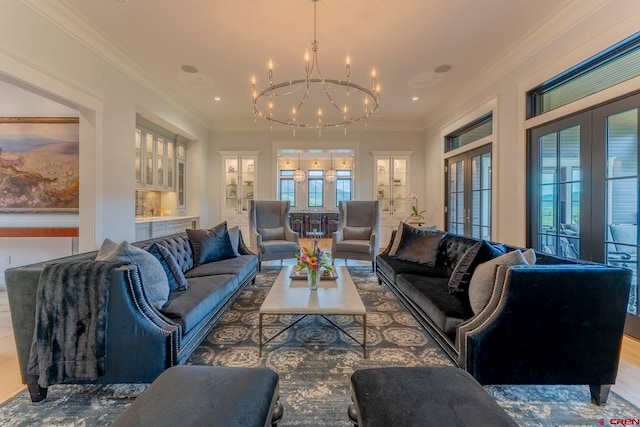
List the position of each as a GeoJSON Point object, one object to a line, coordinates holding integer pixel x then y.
{"type": "Point", "coordinates": [207, 396]}
{"type": "Point", "coordinates": [424, 396]}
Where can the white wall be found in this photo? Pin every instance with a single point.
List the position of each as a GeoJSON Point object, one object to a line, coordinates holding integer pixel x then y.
{"type": "Point", "coordinates": [43, 58]}
{"type": "Point", "coordinates": [363, 142]}
{"type": "Point", "coordinates": [586, 28]}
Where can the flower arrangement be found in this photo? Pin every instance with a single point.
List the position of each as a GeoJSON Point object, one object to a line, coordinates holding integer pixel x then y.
{"type": "Point", "coordinates": [413, 199]}
{"type": "Point", "coordinates": [313, 260]}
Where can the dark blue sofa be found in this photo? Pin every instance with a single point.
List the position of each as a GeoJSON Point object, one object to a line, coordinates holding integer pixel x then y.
{"type": "Point", "coordinates": [559, 321]}
{"type": "Point", "coordinates": [141, 341]}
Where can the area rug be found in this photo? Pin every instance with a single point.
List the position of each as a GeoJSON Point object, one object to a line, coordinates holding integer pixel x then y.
{"type": "Point", "coordinates": [314, 361]}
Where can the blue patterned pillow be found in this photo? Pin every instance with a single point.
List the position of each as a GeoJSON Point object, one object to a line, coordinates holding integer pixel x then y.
{"type": "Point", "coordinates": [177, 281]}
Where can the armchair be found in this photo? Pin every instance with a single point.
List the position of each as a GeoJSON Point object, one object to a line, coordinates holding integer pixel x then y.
{"type": "Point", "coordinates": [357, 235]}
{"type": "Point", "coordinates": [269, 230]}
{"type": "Point", "coordinates": [624, 237]}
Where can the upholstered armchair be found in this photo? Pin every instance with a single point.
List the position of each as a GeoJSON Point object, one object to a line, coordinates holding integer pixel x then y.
{"type": "Point", "coordinates": [357, 236]}
{"type": "Point", "coordinates": [269, 230]}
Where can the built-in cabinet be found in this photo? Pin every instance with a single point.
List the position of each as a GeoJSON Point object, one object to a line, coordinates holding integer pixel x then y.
{"type": "Point", "coordinates": [157, 227]}
{"type": "Point", "coordinates": [239, 172]}
{"type": "Point", "coordinates": [391, 178]}
{"type": "Point", "coordinates": [155, 161]}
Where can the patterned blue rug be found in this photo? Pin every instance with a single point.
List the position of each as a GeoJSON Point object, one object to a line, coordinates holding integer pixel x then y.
{"type": "Point", "coordinates": [314, 361]}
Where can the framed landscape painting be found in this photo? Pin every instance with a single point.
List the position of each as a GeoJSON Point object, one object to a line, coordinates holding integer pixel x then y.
{"type": "Point", "coordinates": [39, 164]}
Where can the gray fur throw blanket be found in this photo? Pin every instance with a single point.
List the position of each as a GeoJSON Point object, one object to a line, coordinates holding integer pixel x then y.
{"type": "Point", "coordinates": [69, 342]}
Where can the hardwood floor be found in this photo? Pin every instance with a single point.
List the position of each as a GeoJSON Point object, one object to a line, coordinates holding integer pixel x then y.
{"type": "Point", "coordinates": [10, 381]}
{"type": "Point", "coordinates": [627, 383]}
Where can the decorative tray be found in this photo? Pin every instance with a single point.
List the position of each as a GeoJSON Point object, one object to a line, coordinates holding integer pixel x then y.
{"type": "Point", "coordinates": [302, 275]}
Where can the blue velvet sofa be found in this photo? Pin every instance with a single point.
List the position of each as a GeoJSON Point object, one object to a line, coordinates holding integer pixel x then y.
{"type": "Point", "coordinates": [142, 341]}
{"type": "Point", "coordinates": [558, 321]}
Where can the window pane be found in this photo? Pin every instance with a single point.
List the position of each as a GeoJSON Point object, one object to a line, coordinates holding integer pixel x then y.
{"type": "Point", "coordinates": [343, 190]}
{"type": "Point", "coordinates": [472, 132]}
{"type": "Point", "coordinates": [622, 143]}
{"type": "Point", "coordinates": [288, 190]}
{"type": "Point", "coordinates": [316, 187]}
{"type": "Point", "coordinates": [610, 67]}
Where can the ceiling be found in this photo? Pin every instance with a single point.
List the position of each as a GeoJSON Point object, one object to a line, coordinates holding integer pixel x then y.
{"type": "Point", "coordinates": [228, 41]}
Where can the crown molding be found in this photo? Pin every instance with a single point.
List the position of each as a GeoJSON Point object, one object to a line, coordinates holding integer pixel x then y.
{"type": "Point", "coordinates": [79, 29]}
{"type": "Point", "coordinates": [561, 21]}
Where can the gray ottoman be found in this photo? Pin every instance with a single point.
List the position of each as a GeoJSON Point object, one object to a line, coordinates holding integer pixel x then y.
{"type": "Point", "coordinates": [437, 396]}
{"type": "Point", "coordinates": [207, 396]}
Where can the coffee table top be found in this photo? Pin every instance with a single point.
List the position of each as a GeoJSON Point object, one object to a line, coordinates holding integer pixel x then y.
{"type": "Point", "coordinates": [338, 296]}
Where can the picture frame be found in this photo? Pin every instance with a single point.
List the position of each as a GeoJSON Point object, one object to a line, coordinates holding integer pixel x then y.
{"type": "Point", "coordinates": [39, 164]}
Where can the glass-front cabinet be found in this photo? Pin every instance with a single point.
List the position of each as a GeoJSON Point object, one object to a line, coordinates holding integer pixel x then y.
{"type": "Point", "coordinates": [239, 181]}
{"type": "Point", "coordinates": [154, 161]}
{"type": "Point", "coordinates": [391, 189]}
{"type": "Point", "coordinates": [181, 177]}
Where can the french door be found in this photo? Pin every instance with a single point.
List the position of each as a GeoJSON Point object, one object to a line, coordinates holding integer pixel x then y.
{"type": "Point", "coordinates": [583, 189]}
{"type": "Point", "coordinates": [468, 191]}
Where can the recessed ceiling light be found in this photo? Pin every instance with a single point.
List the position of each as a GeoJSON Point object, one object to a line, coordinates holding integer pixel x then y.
{"type": "Point", "coordinates": [216, 98]}
{"type": "Point", "coordinates": [189, 69]}
{"type": "Point", "coordinates": [415, 98]}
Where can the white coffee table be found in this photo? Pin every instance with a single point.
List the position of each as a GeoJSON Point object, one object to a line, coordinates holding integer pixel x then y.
{"type": "Point", "coordinates": [333, 297]}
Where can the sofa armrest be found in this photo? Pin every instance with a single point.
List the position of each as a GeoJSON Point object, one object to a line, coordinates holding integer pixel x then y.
{"type": "Point", "coordinates": [243, 249]}
{"type": "Point", "coordinates": [290, 235]}
{"type": "Point", "coordinates": [548, 324]}
{"type": "Point", "coordinates": [141, 342]}
{"type": "Point", "coordinates": [388, 248]}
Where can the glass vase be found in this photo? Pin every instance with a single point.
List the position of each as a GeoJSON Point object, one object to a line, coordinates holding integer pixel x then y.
{"type": "Point", "coordinates": [313, 278]}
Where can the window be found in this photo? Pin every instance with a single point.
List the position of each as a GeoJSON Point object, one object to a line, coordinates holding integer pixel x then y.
{"type": "Point", "coordinates": [287, 187]}
{"type": "Point", "coordinates": [343, 186]}
{"type": "Point", "coordinates": [615, 65]}
{"type": "Point", "coordinates": [474, 131]}
{"type": "Point", "coordinates": [316, 187]}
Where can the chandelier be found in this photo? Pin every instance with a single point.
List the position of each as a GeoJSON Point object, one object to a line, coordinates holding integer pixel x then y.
{"type": "Point", "coordinates": [331, 175]}
{"type": "Point", "coordinates": [315, 102]}
{"type": "Point", "coordinates": [299, 175]}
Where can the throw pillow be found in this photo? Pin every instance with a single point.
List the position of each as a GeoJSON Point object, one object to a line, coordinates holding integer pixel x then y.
{"type": "Point", "coordinates": [530, 256]}
{"type": "Point", "coordinates": [396, 239]}
{"type": "Point", "coordinates": [356, 233]}
{"type": "Point", "coordinates": [177, 281]}
{"type": "Point", "coordinates": [154, 280]}
{"type": "Point", "coordinates": [417, 245]}
{"type": "Point", "coordinates": [234, 236]}
{"type": "Point", "coordinates": [483, 278]}
{"type": "Point", "coordinates": [474, 256]}
{"type": "Point", "coordinates": [275, 233]}
{"type": "Point", "coordinates": [210, 245]}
